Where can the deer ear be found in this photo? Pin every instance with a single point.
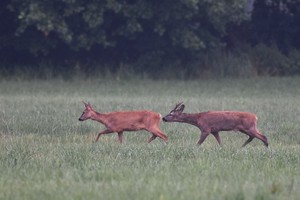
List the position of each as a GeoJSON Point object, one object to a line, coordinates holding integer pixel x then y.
{"type": "Point", "coordinates": [85, 104]}
{"type": "Point", "coordinates": [177, 106]}
{"type": "Point", "coordinates": [90, 106]}
{"type": "Point", "coordinates": [181, 108]}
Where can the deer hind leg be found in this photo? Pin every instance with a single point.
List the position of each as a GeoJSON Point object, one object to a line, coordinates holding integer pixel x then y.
{"type": "Point", "coordinates": [253, 132]}
{"type": "Point", "coordinates": [217, 136]}
{"type": "Point", "coordinates": [202, 137]}
{"type": "Point", "coordinates": [260, 136]}
{"type": "Point", "coordinates": [106, 131]}
{"type": "Point", "coordinates": [157, 133]}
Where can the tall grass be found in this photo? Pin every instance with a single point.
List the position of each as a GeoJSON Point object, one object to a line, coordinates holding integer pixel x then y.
{"type": "Point", "coordinates": [46, 153]}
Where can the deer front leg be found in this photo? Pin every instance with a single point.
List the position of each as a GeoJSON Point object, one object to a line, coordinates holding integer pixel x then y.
{"type": "Point", "coordinates": [248, 141]}
{"type": "Point", "coordinates": [107, 131]}
{"type": "Point", "coordinates": [156, 133]}
{"type": "Point", "coordinates": [151, 138]}
{"type": "Point", "coordinates": [203, 136]}
{"type": "Point", "coordinates": [217, 136]}
{"type": "Point", "coordinates": [120, 135]}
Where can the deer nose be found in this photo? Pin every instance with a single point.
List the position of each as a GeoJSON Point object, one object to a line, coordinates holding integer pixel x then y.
{"type": "Point", "coordinates": [164, 119]}
{"type": "Point", "coordinates": [80, 119]}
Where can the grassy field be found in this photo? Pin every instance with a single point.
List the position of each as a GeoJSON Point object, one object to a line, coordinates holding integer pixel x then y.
{"type": "Point", "coordinates": [46, 153]}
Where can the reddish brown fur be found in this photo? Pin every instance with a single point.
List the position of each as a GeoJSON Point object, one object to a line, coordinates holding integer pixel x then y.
{"type": "Point", "coordinates": [215, 121]}
{"type": "Point", "coordinates": [125, 121]}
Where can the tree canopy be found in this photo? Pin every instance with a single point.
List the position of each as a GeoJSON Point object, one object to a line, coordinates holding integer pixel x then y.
{"type": "Point", "coordinates": [124, 31]}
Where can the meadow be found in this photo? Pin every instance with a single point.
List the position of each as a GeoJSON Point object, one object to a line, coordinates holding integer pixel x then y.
{"type": "Point", "coordinates": [46, 153]}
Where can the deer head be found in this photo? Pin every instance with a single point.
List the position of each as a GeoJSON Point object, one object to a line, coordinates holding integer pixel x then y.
{"type": "Point", "coordinates": [87, 113]}
{"type": "Point", "coordinates": [172, 116]}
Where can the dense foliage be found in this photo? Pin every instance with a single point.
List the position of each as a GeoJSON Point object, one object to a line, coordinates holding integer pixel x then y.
{"type": "Point", "coordinates": [147, 34]}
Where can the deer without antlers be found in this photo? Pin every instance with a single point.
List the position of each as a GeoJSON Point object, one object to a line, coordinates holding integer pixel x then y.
{"type": "Point", "coordinates": [215, 121]}
{"type": "Point", "coordinates": [125, 121]}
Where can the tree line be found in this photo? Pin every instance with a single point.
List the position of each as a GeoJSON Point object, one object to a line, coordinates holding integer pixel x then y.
{"type": "Point", "coordinates": [151, 35]}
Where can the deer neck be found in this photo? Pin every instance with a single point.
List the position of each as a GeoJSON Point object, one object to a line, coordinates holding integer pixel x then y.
{"type": "Point", "coordinates": [188, 118]}
{"type": "Point", "coordinates": [98, 117]}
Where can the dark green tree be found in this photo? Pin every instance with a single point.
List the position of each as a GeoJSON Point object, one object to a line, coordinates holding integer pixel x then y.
{"type": "Point", "coordinates": [276, 22]}
{"type": "Point", "coordinates": [147, 32]}
{"type": "Point", "coordinates": [82, 24]}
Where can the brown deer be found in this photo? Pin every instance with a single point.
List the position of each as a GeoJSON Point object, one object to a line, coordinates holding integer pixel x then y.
{"type": "Point", "coordinates": [125, 121]}
{"type": "Point", "coordinates": [215, 121]}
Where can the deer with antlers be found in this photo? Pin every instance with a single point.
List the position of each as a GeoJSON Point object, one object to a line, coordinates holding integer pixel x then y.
{"type": "Point", "coordinates": [215, 121]}
{"type": "Point", "coordinates": [125, 121]}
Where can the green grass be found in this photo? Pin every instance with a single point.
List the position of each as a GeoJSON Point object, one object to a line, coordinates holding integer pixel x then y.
{"type": "Point", "coordinates": [46, 153]}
